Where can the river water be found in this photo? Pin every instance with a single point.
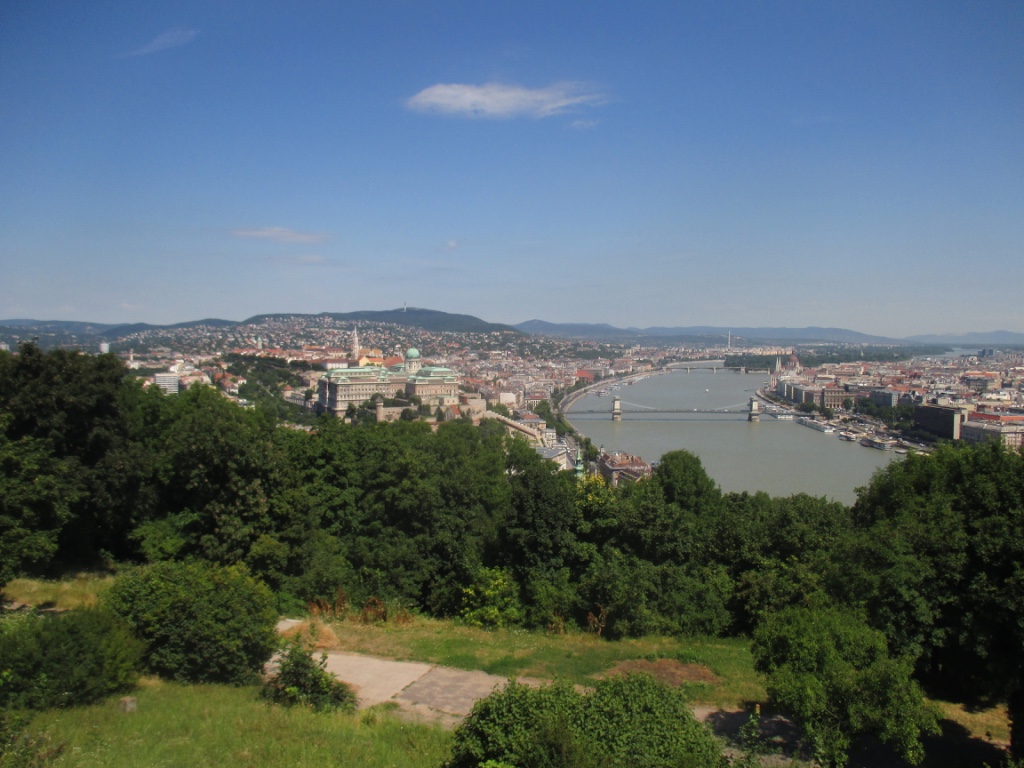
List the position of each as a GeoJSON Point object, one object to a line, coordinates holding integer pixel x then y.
{"type": "Point", "coordinates": [780, 457]}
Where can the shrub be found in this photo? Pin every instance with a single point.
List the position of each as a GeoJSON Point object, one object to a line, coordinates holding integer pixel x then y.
{"type": "Point", "coordinates": [301, 679]}
{"type": "Point", "coordinates": [492, 600]}
{"type": "Point", "coordinates": [200, 622]}
{"type": "Point", "coordinates": [72, 658]}
{"type": "Point", "coordinates": [632, 721]}
{"type": "Point", "coordinates": [20, 749]}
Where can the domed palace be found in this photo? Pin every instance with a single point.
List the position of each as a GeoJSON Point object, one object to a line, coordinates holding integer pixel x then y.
{"type": "Point", "coordinates": [434, 385]}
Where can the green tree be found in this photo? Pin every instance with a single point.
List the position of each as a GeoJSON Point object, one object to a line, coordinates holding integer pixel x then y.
{"type": "Point", "coordinates": [216, 471]}
{"type": "Point", "coordinates": [81, 407]}
{"type": "Point", "coordinates": [36, 500]}
{"type": "Point", "coordinates": [632, 721]}
{"type": "Point", "coordinates": [686, 484]}
{"type": "Point", "coordinates": [834, 676]}
{"type": "Point", "coordinates": [940, 566]}
{"type": "Point", "coordinates": [200, 622]}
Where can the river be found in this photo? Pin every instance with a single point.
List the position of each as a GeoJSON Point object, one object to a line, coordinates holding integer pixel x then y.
{"type": "Point", "coordinates": [780, 457]}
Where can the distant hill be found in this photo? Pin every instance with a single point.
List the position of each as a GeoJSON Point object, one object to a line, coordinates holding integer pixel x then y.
{"type": "Point", "coordinates": [79, 332]}
{"type": "Point", "coordinates": [991, 338]}
{"type": "Point", "coordinates": [57, 326]}
{"type": "Point", "coordinates": [703, 332]}
{"type": "Point", "coordinates": [414, 317]}
{"type": "Point", "coordinates": [577, 330]}
{"type": "Point", "coordinates": [51, 332]}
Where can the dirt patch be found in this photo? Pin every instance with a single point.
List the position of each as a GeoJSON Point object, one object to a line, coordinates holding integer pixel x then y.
{"type": "Point", "coordinates": [668, 671]}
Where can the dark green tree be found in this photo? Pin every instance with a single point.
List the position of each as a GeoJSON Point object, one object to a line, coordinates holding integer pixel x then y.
{"type": "Point", "coordinates": [37, 495]}
{"type": "Point", "coordinates": [200, 622]}
{"type": "Point", "coordinates": [631, 721]}
{"type": "Point", "coordinates": [80, 406]}
{"type": "Point", "coordinates": [940, 567]}
{"type": "Point", "coordinates": [834, 676]}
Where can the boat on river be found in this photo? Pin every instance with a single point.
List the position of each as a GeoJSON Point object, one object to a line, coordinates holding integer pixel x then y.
{"type": "Point", "coordinates": [880, 443]}
{"type": "Point", "coordinates": [813, 424]}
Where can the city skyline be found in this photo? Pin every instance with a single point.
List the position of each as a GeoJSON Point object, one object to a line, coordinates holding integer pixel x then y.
{"type": "Point", "coordinates": [759, 164]}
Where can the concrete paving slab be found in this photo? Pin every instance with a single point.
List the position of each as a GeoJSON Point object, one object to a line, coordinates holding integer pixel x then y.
{"type": "Point", "coordinates": [375, 680]}
{"type": "Point", "coordinates": [452, 691]}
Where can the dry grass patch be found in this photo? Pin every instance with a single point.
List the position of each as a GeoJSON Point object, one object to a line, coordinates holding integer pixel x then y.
{"type": "Point", "coordinates": [992, 725]}
{"type": "Point", "coordinates": [82, 590]}
{"type": "Point", "coordinates": [315, 633]}
{"type": "Point", "coordinates": [669, 671]}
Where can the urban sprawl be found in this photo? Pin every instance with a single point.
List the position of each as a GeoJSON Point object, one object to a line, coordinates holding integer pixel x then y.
{"type": "Point", "coordinates": [393, 371]}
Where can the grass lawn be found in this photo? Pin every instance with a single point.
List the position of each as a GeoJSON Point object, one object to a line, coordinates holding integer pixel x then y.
{"type": "Point", "coordinates": [577, 657]}
{"type": "Point", "coordinates": [221, 726]}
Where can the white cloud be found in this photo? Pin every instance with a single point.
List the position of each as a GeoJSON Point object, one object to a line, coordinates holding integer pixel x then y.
{"type": "Point", "coordinates": [282, 235]}
{"type": "Point", "coordinates": [504, 101]}
{"type": "Point", "coordinates": [451, 245]}
{"type": "Point", "coordinates": [172, 38]}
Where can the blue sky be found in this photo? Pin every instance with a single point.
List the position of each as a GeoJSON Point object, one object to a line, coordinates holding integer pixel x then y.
{"type": "Point", "coordinates": [852, 164]}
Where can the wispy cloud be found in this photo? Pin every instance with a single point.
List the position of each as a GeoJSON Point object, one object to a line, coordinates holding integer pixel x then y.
{"type": "Point", "coordinates": [282, 235]}
{"type": "Point", "coordinates": [172, 38]}
{"type": "Point", "coordinates": [497, 100]}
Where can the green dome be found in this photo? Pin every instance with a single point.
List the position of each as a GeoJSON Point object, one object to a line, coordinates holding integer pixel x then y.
{"type": "Point", "coordinates": [412, 354]}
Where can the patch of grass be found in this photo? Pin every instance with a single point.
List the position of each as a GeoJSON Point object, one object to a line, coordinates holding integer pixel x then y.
{"type": "Point", "coordinates": [217, 726]}
{"type": "Point", "coordinates": [577, 657]}
{"type": "Point", "coordinates": [79, 591]}
{"type": "Point", "coordinates": [992, 724]}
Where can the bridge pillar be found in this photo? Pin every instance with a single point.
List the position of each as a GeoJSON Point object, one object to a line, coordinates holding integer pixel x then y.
{"type": "Point", "coordinates": [755, 410]}
{"type": "Point", "coordinates": [616, 409]}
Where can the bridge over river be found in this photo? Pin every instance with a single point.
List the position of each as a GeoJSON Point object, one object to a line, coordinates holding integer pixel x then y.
{"type": "Point", "coordinates": [752, 410]}
{"type": "Point", "coordinates": [644, 409]}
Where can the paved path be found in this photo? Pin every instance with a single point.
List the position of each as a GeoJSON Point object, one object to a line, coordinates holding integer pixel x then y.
{"type": "Point", "coordinates": [426, 692]}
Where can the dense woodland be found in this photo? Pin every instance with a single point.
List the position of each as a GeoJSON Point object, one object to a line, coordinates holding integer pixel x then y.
{"type": "Point", "coordinates": [849, 608]}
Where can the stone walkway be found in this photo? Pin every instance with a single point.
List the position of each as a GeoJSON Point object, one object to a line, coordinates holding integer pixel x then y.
{"type": "Point", "coordinates": [423, 692]}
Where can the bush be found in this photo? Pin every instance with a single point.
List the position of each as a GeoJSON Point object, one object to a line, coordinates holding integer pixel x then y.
{"type": "Point", "coordinates": [492, 600]}
{"type": "Point", "coordinates": [72, 658]}
{"type": "Point", "coordinates": [201, 623]}
{"type": "Point", "coordinates": [632, 721]}
{"type": "Point", "coordinates": [302, 680]}
{"type": "Point", "coordinates": [21, 749]}
{"type": "Point", "coordinates": [833, 675]}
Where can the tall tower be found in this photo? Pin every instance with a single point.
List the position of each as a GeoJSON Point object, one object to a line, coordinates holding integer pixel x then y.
{"type": "Point", "coordinates": [355, 342]}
